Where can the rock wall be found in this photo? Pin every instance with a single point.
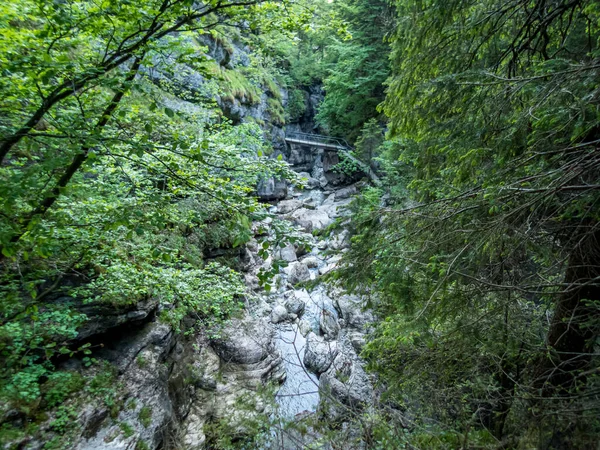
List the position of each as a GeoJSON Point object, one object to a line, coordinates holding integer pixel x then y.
{"type": "Point", "coordinates": [161, 389]}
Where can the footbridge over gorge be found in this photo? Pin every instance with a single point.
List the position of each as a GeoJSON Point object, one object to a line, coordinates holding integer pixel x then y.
{"type": "Point", "coordinates": [332, 144]}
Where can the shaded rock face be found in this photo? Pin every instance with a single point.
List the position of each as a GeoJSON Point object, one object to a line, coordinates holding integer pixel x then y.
{"type": "Point", "coordinates": [271, 189]}
{"type": "Point", "coordinates": [295, 302]}
{"type": "Point", "coordinates": [329, 325]}
{"type": "Point", "coordinates": [279, 314]}
{"type": "Point", "coordinates": [319, 353]}
{"type": "Point", "coordinates": [174, 385]}
{"type": "Point", "coordinates": [144, 382]}
{"type": "Point", "coordinates": [244, 342]}
{"type": "Point", "coordinates": [346, 384]}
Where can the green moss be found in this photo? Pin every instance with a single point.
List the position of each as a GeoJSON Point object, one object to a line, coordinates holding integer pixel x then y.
{"type": "Point", "coordinates": [276, 111]}
{"type": "Point", "coordinates": [60, 385]}
{"type": "Point", "coordinates": [272, 86]}
{"type": "Point", "coordinates": [221, 39]}
{"type": "Point", "coordinates": [126, 429]}
{"type": "Point", "coordinates": [145, 416]}
{"type": "Point", "coordinates": [233, 83]}
{"type": "Point", "coordinates": [141, 362]}
{"type": "Point", "coordinates": [141, 445]}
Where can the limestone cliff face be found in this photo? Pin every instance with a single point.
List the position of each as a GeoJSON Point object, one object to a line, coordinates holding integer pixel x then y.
{"type": "Point", "coordinates": [159, 387]}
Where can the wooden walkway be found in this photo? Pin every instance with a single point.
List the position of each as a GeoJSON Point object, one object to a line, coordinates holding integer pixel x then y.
{"type": "Point", "coordinates": [331, 143]}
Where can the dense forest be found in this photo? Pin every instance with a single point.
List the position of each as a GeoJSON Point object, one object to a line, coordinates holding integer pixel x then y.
{"type": "Point", "coordinates": [208, 206]}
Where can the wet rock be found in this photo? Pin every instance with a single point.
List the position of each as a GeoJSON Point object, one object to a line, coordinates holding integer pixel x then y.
{"type": "Point", "coordinates": [319, 354]}
{"type": "Point", "coordinates": [329, 325]}
{"type": "Point", "coordinates": [297, 272]}
{"type": "Point", "coordinates": [279, 314]}
{"type": "Point", "coordinates": [296, 302]}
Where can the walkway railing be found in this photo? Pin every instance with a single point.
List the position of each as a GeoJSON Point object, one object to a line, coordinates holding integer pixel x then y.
{"type": "Point", "coordinates": [339, 144]}
{"type": "Point", "coordinates": [317, 140]}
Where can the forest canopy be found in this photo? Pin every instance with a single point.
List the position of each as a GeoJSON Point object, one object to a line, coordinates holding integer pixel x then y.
{"type": "Point", "coordinates": [128, 158]}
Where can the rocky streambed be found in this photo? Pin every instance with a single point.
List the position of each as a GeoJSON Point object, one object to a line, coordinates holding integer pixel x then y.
{"type": "Point", "coordinates": [318, 330]}
{"type": "Point", "coordinates": [290, 356]}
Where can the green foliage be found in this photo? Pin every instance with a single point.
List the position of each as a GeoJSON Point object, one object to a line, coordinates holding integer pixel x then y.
{"type": "Point", "coordinates": [141, 445]}
{"type": "Point", "coordinates": [357, 67]}
{"type": "Point", "coordinates": [296, 105]}
{"type": "Point", "coordinates": [64, 419]}
{"type": "Point", "coordinates": [60, 385]}
{"type": "Point", "coordinates": [490, 173]}
{"type": "Point", "coordinates": [145, 416]}
{"type": "Point", "coordinates": [126, 429]}
{"type": "Point", "coordinates": [235, 84]}
{"type": "Point", "coordinates": [348, 164]}
{"type": "Point", "coordinates": [371, 138]}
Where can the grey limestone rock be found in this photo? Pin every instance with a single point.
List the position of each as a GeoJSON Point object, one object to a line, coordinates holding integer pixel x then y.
{"type": "Point", "coordinates": [319, 353]}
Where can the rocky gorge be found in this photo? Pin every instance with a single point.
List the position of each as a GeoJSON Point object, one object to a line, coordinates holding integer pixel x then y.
{"type": "Point", "coordinates": [290, 356]}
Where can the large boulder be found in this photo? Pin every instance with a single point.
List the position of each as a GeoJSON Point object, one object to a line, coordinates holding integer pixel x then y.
{"type": "Point", "coordinates": [287, 253]}
{"type": "Point", "coordinates": [319, 353]}
{"type": "Point", "coordinates": [329, 325]}
{"type": "Point", "coordinates": [279, 314]}
{"type": "Point", "coordinates": [272, 189]}
{"type": "Point", "coordinates": [311, 219]}
{"type": "Point", "coordinates": [289, 206]}
{"type": "Point", "coordinates": [353, 310]}
{"type": "Point", "coordinates": [347, 381]}
{"type": "Point", "coordinates": [312, 262]}
{"type": "Point", "coordinates": [297, 272]}
{"type": "Point", "coordinates": [244, 341]}
{"type": "Point", "coordinates": [346, 192]}
{"type": "Point", "coordinates": [295, 302]}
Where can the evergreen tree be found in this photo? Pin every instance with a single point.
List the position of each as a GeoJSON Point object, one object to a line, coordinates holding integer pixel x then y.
{"type": "Point", "coordinates": [486, 268]}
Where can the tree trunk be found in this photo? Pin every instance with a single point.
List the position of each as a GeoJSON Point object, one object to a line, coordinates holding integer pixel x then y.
{"type": "Point", "coordinates": [570, 336]}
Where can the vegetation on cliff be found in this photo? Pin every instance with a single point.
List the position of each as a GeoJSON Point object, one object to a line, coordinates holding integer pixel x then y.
{"type": "Point", "coordinates": [479, 252]}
